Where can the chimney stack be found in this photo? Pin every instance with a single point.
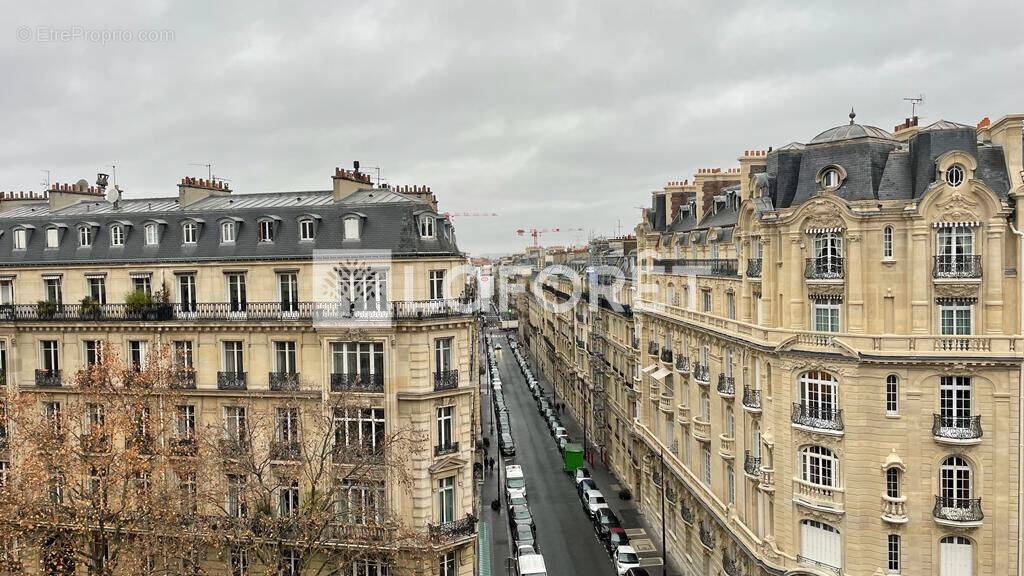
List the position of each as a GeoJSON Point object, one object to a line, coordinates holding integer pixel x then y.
{"type": "Point", "coordinates": [348, 181]}
{"type": "Point", "coordinates": [192, 190]}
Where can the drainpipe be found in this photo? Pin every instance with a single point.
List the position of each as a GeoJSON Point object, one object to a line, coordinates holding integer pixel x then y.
{"type": "Point", "coordinates": [1020, 406]}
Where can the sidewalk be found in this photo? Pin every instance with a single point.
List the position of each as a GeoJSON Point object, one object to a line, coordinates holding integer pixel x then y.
{"type": "Point", "coordinates": [644, 537]}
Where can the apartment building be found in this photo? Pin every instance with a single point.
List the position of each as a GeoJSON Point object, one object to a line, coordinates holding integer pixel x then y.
{"type": "Point", "coordinates": [231, 283]}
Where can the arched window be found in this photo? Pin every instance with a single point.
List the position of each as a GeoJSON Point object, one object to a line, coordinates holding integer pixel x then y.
{"type": "Point", "coordinates": [672, 294]}
{"type": "Point", "coordinates": [892, 483]}
{"type": "Point", "coordinates": [955, 482]}
{"type": "Point", "coordinates": [887, 243]}
{"type": "Point", "coordinates": [830, 179]}
{"type": "Point", "coordinates": [892, 394]}
{"type": "Point", "coordinates": [819, 466]}
{"type": "Point", "coordinates": [705, 407]}
{"type": "Point", "coordinates": [117, 235]}
{"type": "Point", "coordinates": [955, 175]}
{"type": "Point", "coordinates": [956, 556]}
{"type": "Point", "coordinates": [819, 397]}
{"type": "Point", "coordinates": [821, 542]}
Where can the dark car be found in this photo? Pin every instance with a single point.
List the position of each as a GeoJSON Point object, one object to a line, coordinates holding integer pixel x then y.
{"type": "Point", "coordinates": [637, 572]}
{"type": "Point", "coordinates": [605, 519]}
{"type": "Point", "coordinates": [583, 487]}
{"type": "Point", "coordinates": [523, 534]}
{"type": "Point", "coordinates": [508, 446]}
{"type": "Point", "coordinates": [520, 516]}
{"type": "Point", "coordinates": [615, 537]}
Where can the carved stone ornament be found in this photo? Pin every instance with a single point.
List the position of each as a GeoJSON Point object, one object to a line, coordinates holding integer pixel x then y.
{"type": "Point", "coordinates": [826, 215]}
{"type": "Point", "coordinates": [829, 290]}
{"type": "Point", "coordinates": [957, 207]}
{"type": "Point", "coordinates": [956, 290]}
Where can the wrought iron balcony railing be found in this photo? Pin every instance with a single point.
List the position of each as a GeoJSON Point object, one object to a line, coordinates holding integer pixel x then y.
{"type": "Point", "coordinates": [958, 509]}
{"type": "Point", "coordinates": [447, 448]}
{"type": "Point", "coordinates": [751, 398]}
{"type": "Point", "coordinates": [753, 267]}
{"type": "Point", "coordinates": [752, 465]}
{"type": "Point", "coordinates": [184, 446]}
{"type": "Point", "coordinates": [705, 266]}
{"type": "Point", "coordinates": [357, 382]}
{"type": "Point", "coordinates": [284, 381]}
{"type": "Point", "coordinates": [184, 380]}
{"type": "Point", "coordinates": [726, 385]}
{"type": "Point", "coordinates": [285, 450]}
{"type": "Point", "coordinates": [682, 364]}
{"type": "Point", "coordinates": [956, 427]}
{"type": "Point", "coordinates": [822, 566]}
{"type": "Point", "coordinates": [821, 268]}
{"type": "Point", "coordinates": [454, 529]}
{"type": "Point", "coordinates": [701, 373]}
{"type": "Point", "coordinates": [666, 355]}
{"type": "Point", "coordinates": [817, 417]}
{"type": "Point", "coordinates": [231, 380]}
{"type": "Point", "coordinates": [957, 266]}
{"type": "Point", "coordinates": [48, 378]}
{"type": "Point", "coordinates": [446, 379]}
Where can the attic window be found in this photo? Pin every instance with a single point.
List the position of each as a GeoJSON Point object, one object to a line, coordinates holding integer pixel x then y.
{"type": "Point", "coordinates": [955, 175]}
{"type": "Point", "coordinates": [84, 236]}
{"type": "Point", "coordinates": [189, 233]}
{"type": "Point", "coordinates": [307, 229]}
{"type": "Point", "coordinates": [830, 179]}
{"type": "Point", "coordinates": [227, 232]}
{"type": "Point", "coordinates": [266, 231]}
{"type": "Point", "coordinates": [152, 234]}
{"type": "Point", "coordinates": [117, 235]}
{"type": "Point", "coordinates": [52, 238]}
{"type": "Point", "coordinates": [352, 228]}
{"type": "Point", "coordinates": [19, 239]}
{"type": "Point", "coordinates": [427, 226]}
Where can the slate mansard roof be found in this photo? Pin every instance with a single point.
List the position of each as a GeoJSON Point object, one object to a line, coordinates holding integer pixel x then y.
{"type": "Point", "coordinates": [389, 222]}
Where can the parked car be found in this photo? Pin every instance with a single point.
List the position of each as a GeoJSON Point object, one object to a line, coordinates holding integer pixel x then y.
{"type": "Point", "coordinates": [523, 536]}
{"type": "Point", "coordinates": [517, 501]}
{"type": "Point", "coordinates": [515, 481]}
{"type": "Point", "coordinates": [563, 441]}
{"type": "Point", "coordinates": [520, 516]}
{"type": "Point", "coordinates": [595, 502]}
{"type": "Point", "coordinates": [637, 572]}
{"type": "Point", "coordinates": [497, 346]}
{"type": "Point", "coordinates": [582, 474]}
{"type": "Point", "coordinates": [508, 446]}
{"type": "Point", "coordinates": [584, 486]}
{"type": "Point", "coordinates": [605, 520]}
{"type": "Point", "coordinates": [553, 424]}
{"type": "Point", "coordinates": [616, 537]}
{"type": "Point", "coordinates": [626, 558]}
{"type": "Point", "coordinates": [557, 430]}
{"type": "Point", "coordinates": [524, 549]}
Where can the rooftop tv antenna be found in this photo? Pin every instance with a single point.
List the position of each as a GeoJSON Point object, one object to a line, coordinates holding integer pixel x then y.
{"type": "Point", "coordinates": [914, 101]}
{"type": "Point", "coordinates": [209, 168]}
{"type": "Point", "coordinates": [47, 181]}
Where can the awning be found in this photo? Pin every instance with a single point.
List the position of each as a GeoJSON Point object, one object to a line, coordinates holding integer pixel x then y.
{"type": "Point", "coordinates": [660, 374]}
{"type": "Point", "coordinates": [970, 224]}
{"type": "Point", "coordinates": [649, 368]}
{"type": "Point", "coordinates": [834, 230]}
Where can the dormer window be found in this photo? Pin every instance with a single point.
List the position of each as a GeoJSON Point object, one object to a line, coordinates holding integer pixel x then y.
{"type": "Point", "coordinates": [117, 235]}
{"type": "Point", "coordinates": [52, 238]}
{"type": "Point", "coordinates": [955, 175]}
{"type": "Point", "coordinates": [85, 236]}
{"type": "Point", "coordinates": [830, 179]}
{"type": "Point", "coordinates": [19, 238]}
{"type": "Point", "coordinates": [189, 233]}
{"type": "Point", "coordinates": [266, 230]}
{"type": "Point", "coordinates": [307, 229]}
{"type": "Point", "coordinates": [227, 232]}
{"type": "Point", "coordinates": [152, 234]}
{"type": "Point", "coordinates": [352, 228]}
{"type": "Point", "coordinates": [426, 226]}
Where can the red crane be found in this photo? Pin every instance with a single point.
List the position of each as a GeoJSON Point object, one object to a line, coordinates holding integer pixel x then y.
{"type": "Point", "coordinates": [450, 215]}
{"type": "Point", "coordinates": [535, 232]}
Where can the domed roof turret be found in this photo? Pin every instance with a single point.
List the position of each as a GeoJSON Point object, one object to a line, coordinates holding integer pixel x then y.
{"type": "Point", "coordinates": [850, 131]}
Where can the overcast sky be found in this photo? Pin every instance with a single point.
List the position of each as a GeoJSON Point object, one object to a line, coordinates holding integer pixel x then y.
{"type": "Point", "coordinates": [548, 113]}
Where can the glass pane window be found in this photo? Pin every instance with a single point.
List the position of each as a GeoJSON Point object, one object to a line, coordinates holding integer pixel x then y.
{"type": "Point", "coordinates": [892, 389]}
{"type": "Point", "coordinates": [288, 291]}
{"type": "Point", "coordinates": [233, 360]}
{"type": "Point", "coordinates": [819, 466]}
{"type": "Point", "coordinates": [284, 356]}
{"type": "Point", "coordinates": [446, 500]}
{"type": "Point", "coordinates": [152, 234]}
{"type": "Point", "coordinates": [955, 401]}
{"type": "Point", "coordinates": [436, 284]}
{"type": "Point", "coordinates": [307, 230]}
{"type": "Point", "coordinates": [236, 292]}
{"type": "Point", "coordinates": [52, 238]}
{"type": "Point", "coordinates": [97, 288]}
{"type": "Point", "coordinates": [187, 292]}
{"type": "Point", "coordinates": [359, 428]}
{"type": "Point", "coordinates": [955, 318]}
{"type": "Point", "coordinates": [227, 232]}
{"type": "Point", "coordinates": [85, 236]}
{"type": "Point", "coordinates": [427, 226]}
{"type": "Point", "coordinates": [363, 358]}
{"type": "Point", "coordinates": [117, 235]}
{"type": "Point", "coordinates": [826, 315]}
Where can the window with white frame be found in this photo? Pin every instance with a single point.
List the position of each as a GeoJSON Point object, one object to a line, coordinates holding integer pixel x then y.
{"type": "Point", "coordinates": [887, 233]}
{"type": "Point", "coordinates": [892, 395]}
{"type": "Point", "coordinates": [955, 175]}
{"type": "Point", "coordinates": [828, 253]}
{"type": "Point", "coordinates": [955, 250]}
{"type": "Point", "coordinates": [291, 562]}
{"type": "Point", "coordinates": [367, 568]}
{"type": "Point", "coordinates": [819, 466]}
{"type": "Point", "coordinates": [352, 227]}
{"type": "Point", "coordinates": [189, 233]}
{"type": "Point", "coordinates": [183, 354]}
{"type": "Point", "coordinates": [288, 291]}
{"type": "Point", "coordinates": [445, 427]}
{"type": "Point", "coordinates": [705, 407]}
{"type": "Point", "coordinates": [84, 236]}
{"type": "Point", "coordinates": [288, 499]}
{"type": "Point", "coordinates": [239, 561]}
{"type": "Point", "coordinates": [955, 400]}
{"type": "Point", "coordinates": [705, 295]}
{"type": "Point", "coordinates": [235, 501]}
{"type": "Point", "coordinates": [427, 226]}
{"type": "Point", "coordinates": [955, 483]}
{"type": "Point", "coordinates": [185, 420]}
{"type": "Point", "coordinates": [187, 292]}
{"type": "Point", "coordinates": [714, 251]}
{"type": "Point", "coordinates": [233, 356]}
{"type": "Point", "coordinates": [819, 395]}
{"type": "Point", "coordinates": [705, 464]}
{"type": "Point", "coordinates": [284, 357]}
{"type": "Point", "coordinates": [142, 283]}
{"type": "Point", "coordinates": [137, 352]}
{"type": "Point", "coordinates": [92, 352]}
{"type": "Point", "coordinates": [730, 484]}
{"type": "Point", "coordinates": [234, 423]}
{"type": "Point", "coordinates": [52, 238]}
{"type": "Point", "coordinates": [152, 234]}
{"type": "Point", "coordinates": [52, 287]}
{"type": "Point", "coordinates": [446, 500]}
{"type": "Point", "coordinates": [97, 288]}
{"type": "Point", "coordinates": [307, 229]}
{"type": "Point", "coordinates": [359, 429]}
{"type": "Point", "coordinates": [358, 358]}
{"type": "Point", "coordinates": [955, 317]}
{"type": "Point", "coordinates": [730, 305]}
{"type": "Point", "coordinates": [7, 290]}
{"type": "Point", "coordinates": [436, 284]}
{"type": "Point", "coordinates": [892, 483]}
{"type": "Point", "coordinates": [826, 314]}
{"type": "Point", "coordinates": [360, 503]}
{"type": "Point", "coordinates": [265, 229]}
{"type": "Point", "coordinates": [20, 236]}
{"type": "Point", "coordinates": [830, 179]}
{"type": "Point", "coordinates": [227, 231]}
{"type": "Point", "coordinates": [49, 356]}
{"type": "Point", "coordinates": [235, 283]}
{"type": "Point", "coordinates": [286, 425]}
{"type": "Point", "coordinates": [117, 235]}
{"type": "Point", "coordinates": [448, 564]}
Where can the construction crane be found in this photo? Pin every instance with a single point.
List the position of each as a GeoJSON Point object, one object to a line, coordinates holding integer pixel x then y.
{"type": "Point", "coordinates": [536, 232]}
{"type": "Point", "coordinates": [450, 215]}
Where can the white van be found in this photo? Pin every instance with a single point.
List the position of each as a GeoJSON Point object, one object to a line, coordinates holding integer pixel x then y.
{"type": "Point", "coordinates": [515, 481]}
{"type": "Point", "coordinates": [532, 565]}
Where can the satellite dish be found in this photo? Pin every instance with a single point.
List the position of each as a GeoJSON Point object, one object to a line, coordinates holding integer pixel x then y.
{"type": "Point", "coordinates": [113, 195]}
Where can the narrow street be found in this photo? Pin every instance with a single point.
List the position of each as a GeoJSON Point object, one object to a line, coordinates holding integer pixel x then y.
{"type": "Point", "coordinates": [565, 534]}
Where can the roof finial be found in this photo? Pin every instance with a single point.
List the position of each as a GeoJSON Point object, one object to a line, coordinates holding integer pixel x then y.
{"type": "Point", "coordinates": [852, 115]}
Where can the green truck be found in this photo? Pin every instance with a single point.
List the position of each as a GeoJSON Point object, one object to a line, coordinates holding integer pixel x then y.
{"type": "Point", "coordinates": [572, 457]}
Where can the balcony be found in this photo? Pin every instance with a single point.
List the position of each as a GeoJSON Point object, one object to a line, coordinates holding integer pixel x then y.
{"type": "Point", "coordinates": [726, 447]}
{"type": "Point", "coordinates": [707, 537]}
{"type": "Point", "coordinates": [357, 382]}
{"type": "Point", "coordinates": [823, 268]}
{"type": "Point", "coordinates": [818, 565]}
{"type": "Point", "coordinates": [767, 483]}
{"type": "Point", "coordinates": [817, 418]}
{"type": "Point", "coordinates": [453, 530]}
{"type": "Point", "coordinates": [682, 364]}
{"type": "Point", "coordinates": [683, 415]}
{"type": "Point", "coordinates": [686, 512]}
{"type": "Point", "coordinates": [962, 512]}
{"type": "Point", "coordinates": [652, 349]}
{"type": "Point", "coordinates": [753, 267]}
{"type": "Point", "coordinates": [751, 399]}
{"type": "Point", "coordinates": [726, 386]}
{"type": "Point", "coordinates": [285, 450]}
{"type": "Point", "coordinates": [751, 465]}
{"type": "Point", "coordinates": [702, 374]}
{"type": "Point", "coordinates": [894, 510]}
{"type": "Point", "coordinates": [447, 448]}
{"type": "Point", "coordinates": [666, 355]}
{"type": "Point", "coordinates": [962, 430]}
{"type": "Point", "coordinates": [95, 443]}
{"type": "Point", "coordinates": [729, 565]}
{"type": "Point", "coordinates": [446, 380]}
{"type": "Point", "coordinates": [281, 381]}
{"type": "Point", "coordinates": [817, 497]}
{"type": "Point", "coordinates": [635, 344]}
{"type": "Point", "coordinates": [957, 267]}
{"type": "Point", "coordinates": [701, 429]}
{"type": "Point", "coordinates": [184, 380]}
{"type": "Point", "coordinates": [48, 378]}
{"type": "Point", "coordinates": [231, 380]}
